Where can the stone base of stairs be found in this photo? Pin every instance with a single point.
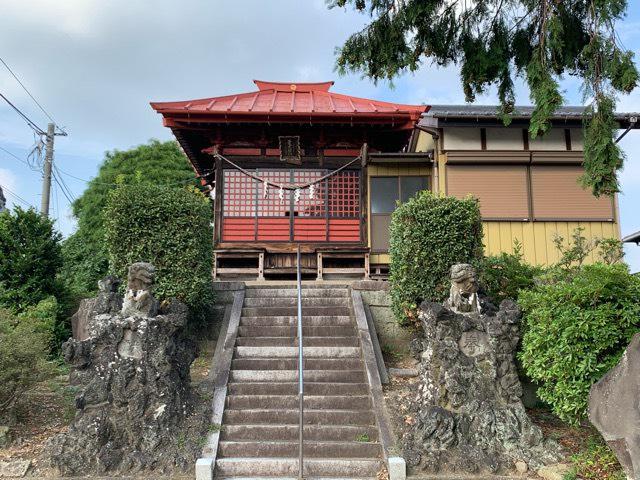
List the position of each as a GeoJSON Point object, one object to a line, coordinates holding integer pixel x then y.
{"type": "Point", "coordinates": [259, 416]}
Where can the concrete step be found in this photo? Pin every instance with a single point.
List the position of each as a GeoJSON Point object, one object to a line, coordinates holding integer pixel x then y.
{"type": "Point", "coordinates": [292, 364]}
{"type": "Point", "coordinates": [293, 302]}
{"type": "Point", "coordinates": [282, 467]}
{"type": "Point", "coordinates": [293, 342]}
{"type": "Point", "coordinates": [291, 388]}
{"type": "Point", "coordinates": [311, 402]}
{"type": "Point", "coordinates": [342, 376]}
{"type": "Point", "coordinates": [293, 478]}
{"type": "Point", "coordinates": [293, 292]}
{"type": "Point", "coordinates": [292, 331]}
{"type": "Point", "coordinates": [293, 311]}
{"type": "Point", "coordinates": [311, 449]}
{"type": "Point", "coordinates": [311, 417]}
{"type": "Point", "coordinates": [292, 320]}
{"type": "Point", "coordinates": [309, 352]}
{"type": "Point", "coordinates": [343, 433]}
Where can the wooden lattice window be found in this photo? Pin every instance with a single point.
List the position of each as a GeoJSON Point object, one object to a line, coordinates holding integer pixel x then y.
{"type": "Point", "coordinates": [344, 194]}
{"type": "Point", "coordinates": [239, 194]}
{"type": "Point", "coordinates": [310, 207]}
{"type": "Point", "coordinates": [272, 206]}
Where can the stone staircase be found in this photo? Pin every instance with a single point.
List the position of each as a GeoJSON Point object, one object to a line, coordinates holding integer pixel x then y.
{"type": "Point", "coordinates": [259, 433]}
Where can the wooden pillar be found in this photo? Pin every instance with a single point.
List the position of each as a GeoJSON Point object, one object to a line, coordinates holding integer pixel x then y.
{"type": "Point", "coordinates": [366, 266]}
{"type": "Point", "coordinates": [364, 196]}
{"type": "Point", "coordinates": [261, 266]}
{"type": "Point", "coordinates": [319, 266]}
{"type": "Point", "coordinates": [217, 213]}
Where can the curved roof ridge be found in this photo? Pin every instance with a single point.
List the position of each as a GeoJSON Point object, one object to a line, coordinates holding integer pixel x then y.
{"type": "Point", "coordinates": [294, 86]}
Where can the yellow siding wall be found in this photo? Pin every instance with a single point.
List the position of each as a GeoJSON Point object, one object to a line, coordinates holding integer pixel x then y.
{"type": "Point", "coordinates": [537, 237]}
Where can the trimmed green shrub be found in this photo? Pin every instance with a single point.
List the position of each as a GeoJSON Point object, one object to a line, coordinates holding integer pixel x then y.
{"type": "Point", "coordinates": [503, 276]}
{"type": "Point", "coordinates": [85, 254]}
{"type": "Point", "coordinates": [169, 227]}
{"type": "Point", "coordinates": [30, 257]}
{"type": "Point", "coordinates": [576, 329]}
{"type": "Point", "coordinates": [430, 233]}
{"type": "Point", "coordinates": [24, 347]}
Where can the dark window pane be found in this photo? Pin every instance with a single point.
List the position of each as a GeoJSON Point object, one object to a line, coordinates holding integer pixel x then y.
{"type": "Point", "coordinates": [409, 186]}
{"type": "Point", "coordinates": [384, 194]}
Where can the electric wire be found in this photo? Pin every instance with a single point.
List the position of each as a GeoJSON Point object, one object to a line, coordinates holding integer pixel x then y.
{"type": "Point", "coordinates": [64, 184]}
{"type": "Point", "coordinates": [30, 122]}
{"type": "Point", "coordinates": [55, 204]}
{"type": "Point", "coordinates": [93, 181]}
{"type": "Point", "coordinates": [55, 178]}
{"type": "Point", "coordinates": [32, 97]}
{"type": "Point", "coordinates": [15, 195]}
{"type": "Point", "coordinates": [14, 156]}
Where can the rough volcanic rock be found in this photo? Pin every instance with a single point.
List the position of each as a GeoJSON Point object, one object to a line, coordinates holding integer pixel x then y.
{"type": "Point", "coordinates": [614, 409]}
{"type": "Point", "coordinates": [135, 406]}
{"type": "Point", "coordinates": [107, 301]}
{"type": "Point", "coordinates": [468, 414]}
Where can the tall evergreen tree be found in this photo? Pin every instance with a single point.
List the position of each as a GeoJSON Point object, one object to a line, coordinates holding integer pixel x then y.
{"type": "Point", "coordinates": [495, 41]}
{"type": "Point", "coordinates": [85, 254]}
{"type": "Point", "coordinates": [30, 258]}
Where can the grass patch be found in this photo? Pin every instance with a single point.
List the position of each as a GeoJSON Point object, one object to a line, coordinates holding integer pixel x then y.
{"type": "Point", "coordinates": [595, 462]}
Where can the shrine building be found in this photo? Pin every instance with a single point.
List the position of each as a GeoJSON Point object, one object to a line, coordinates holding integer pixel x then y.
{"type": "Point", "coordinates": [297, 164]}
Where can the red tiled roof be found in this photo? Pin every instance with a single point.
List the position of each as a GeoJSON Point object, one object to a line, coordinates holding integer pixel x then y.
{"type": "Point", "coordinates": [289, 100]}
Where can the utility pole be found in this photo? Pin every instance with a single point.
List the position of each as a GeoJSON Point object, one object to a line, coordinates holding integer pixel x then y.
{"type": "Point", "coordinates": [48, 163]}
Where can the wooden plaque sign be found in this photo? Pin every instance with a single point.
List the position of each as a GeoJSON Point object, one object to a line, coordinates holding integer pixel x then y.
{"type": "Point", "coordinates": [290, 150]}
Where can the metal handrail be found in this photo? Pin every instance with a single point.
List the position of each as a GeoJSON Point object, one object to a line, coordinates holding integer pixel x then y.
{"type": "Point", "coordinates": [300, 371]}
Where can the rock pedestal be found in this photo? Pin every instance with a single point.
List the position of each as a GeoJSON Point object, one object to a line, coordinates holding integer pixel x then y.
{"type": "Point", "coordinates": [614, 409]}
{"type": "Point", "coordinates": [469, 416]}
{"type": "Point", "coordinates": [135, 407]}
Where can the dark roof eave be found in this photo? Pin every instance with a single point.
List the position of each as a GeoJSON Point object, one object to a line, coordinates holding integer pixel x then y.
{"type": "Point", "coordinates": [484, 113]}
{"type": "Point", "coordinates": [633, 238]}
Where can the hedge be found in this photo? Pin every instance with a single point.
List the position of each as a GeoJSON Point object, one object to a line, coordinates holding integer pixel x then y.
{"type": "Point", "coordinates": [430, 233]}
{"type": "Point", "coordinates": [169, 227]}
{"type": "Point", "coordinates": [576, 329]}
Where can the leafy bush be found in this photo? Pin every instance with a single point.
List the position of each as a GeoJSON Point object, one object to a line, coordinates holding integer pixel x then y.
{"type": "Point", "coordinates": [30, 257]}
{"type": "Point", "coordinates": [576, 329]}
{"type": "Point", "coordinates": [85, 253]}
{"type": "Point", "coordinates": [503, 276]}
{"type": "Point", "coordinates": [610, 250]}
{"type": "Point", "coordinates": [430, 233]}
{"type": "Point", "coordinates": [23, 358]}
{"type": "Point", "coordinates": [50, 315]}
{"type": "Point", "coordinates": [169, 227]}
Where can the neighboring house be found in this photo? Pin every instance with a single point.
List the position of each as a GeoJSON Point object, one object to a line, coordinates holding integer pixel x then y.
{"type": "Point", "coordinates": [633, 238]}
{"type": "Point", "coordinates": [290, 134]}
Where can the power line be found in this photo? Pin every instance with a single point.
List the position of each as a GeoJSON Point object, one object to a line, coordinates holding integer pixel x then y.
{"type": "Point", "coordinates": [15, 156]}
{"type": "Point", "coordinates": [30, 122]}
{"type": "Point", "coordinates": [5, 189]}
{"type": "Point", "coordinates": [30, 95]}
{"type": "Point", "coordinates": [55, 177]}
{"type": "Point", "coordinates": [63, 186]}
{"type": "Point", "coordinates": [183, 182]}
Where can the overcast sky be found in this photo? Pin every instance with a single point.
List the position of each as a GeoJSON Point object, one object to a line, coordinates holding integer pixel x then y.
{"type": "Point", "coordinates": [94, 65]}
